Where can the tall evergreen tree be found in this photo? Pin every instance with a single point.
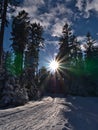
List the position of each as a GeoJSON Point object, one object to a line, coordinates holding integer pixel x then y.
{"type": "Point", "coordinates": [75, 51]}
{"type": "Point", "coordinates": [34, 45]}
{"type": "Point", "coordinates": [20, 33]}
{"type": "Point", "coordinates": [64, 41]}
{"type": "Point", "coordinates": [70, 54]}
{"type": "Point", "coordinates": [68, 46]}
{"type": "Point", "coordinates": [3, 13]}
{"type": "Point", "coordinates": [90, 45]}
{"type": "Point", "coordinates": [91, 60]}
{"type": "Point", "coordinates": [67, 43]}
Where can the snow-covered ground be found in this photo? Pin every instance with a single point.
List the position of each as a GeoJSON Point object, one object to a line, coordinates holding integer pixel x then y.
{"type": "Point", "coordinates": [58, 113]}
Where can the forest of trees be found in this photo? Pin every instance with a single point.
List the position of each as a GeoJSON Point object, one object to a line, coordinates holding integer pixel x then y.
{"type": "Point", "coordinates": [26, 42]}
{"type": "Point", "coordinates": [77, 54]}
{"type": "Point", "coordinates": [19, 73]}
{"type": "Point", "coordinates": [79, 61]}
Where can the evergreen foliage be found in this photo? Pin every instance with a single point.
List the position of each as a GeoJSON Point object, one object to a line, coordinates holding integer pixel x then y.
{"type": "Point", "coordinates": [4, 5]}
{"type": "Point", "coordinates": [34, 45]}
{"type": "Point", "coordinates": [20, 38]}
{"type": "Point", "coordinates": [9, 63]}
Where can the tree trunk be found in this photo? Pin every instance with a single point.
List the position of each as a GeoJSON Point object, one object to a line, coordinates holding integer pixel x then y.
{"type": "Point", "coordinates": [3, 21]}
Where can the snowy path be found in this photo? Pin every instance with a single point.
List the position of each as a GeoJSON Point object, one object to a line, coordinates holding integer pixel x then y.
{"type": "Point", "coordinates": [71, 113]}
{"type": "Point", "coordinates": [33, 116]}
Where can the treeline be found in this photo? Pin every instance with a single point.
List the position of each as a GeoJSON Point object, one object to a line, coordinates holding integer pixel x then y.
{"type": "Point", "coordinates": [78, 63]}
{"type": "Point", "coordinates": [19, 67]}
{"type": "Point", "coordinates": [26, 43]}
{"type": "Point", "coordinates": [74, 54]}
{"type": "Point", "coordinates": [26, 39]}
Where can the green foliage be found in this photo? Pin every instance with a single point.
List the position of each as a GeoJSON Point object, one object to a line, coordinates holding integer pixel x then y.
{"type": "Point", "coordinates": [18, 65]}
{"type": "Point", "coordinates": [13, 63]}
{"type": "Point", "coordinates": [9, 63]}
{"type": "Point", "coordinates": [91, 67]}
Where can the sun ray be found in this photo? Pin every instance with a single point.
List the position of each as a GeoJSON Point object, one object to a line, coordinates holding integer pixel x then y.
{"type": "Point", "coordinates": [53, 66]}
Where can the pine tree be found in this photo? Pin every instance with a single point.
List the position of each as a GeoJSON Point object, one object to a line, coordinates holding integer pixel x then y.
{"type": "Point", "coordinates": [90, 43]}
{"type": "Point", "coordinates": [64, 41]}
{"type": "Point", "coordinates": [68, 46]}
{"type": "Point", "coordinates": [3, 13]}
{"type": "Point", "coordinates": [36, 42]}
{"type": "Point", "coordinates": [91, 60]}
{"type": "Point", "coordinates": [75, 51]}
{"type": "Point", "coordinates": [19, 34]}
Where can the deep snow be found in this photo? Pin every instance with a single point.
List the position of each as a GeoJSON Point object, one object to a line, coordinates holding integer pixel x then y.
{"type": "Point", "coordinates": [53, 113]}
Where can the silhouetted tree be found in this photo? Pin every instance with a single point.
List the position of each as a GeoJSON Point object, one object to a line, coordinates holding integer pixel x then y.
{"type": "Point", "coordinates": [91, 59]}
{"type": "Point", "coordinates": [64, 41]}
{"type": "Point", "coordinates": [20, 34]}
{"type": "Point", "coordinates": [90, 45]}
{"type": "Point", "coordinates": [69, 47]}
{"type": "Point", "coordinates": [3, 8]}
{"type": "Point", "coordinates": [34, 45]}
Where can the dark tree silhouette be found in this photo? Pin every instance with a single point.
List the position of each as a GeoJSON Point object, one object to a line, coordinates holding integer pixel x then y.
{"type": "Point", "coordinates": [64, 41]}
{"type": "Point", "coordinates": [69, 46]}
{"type": "Point", "coordinates": [3, 14]}
{"type": "Point", "coordinates": [90, 45]}
{"type": "Point", "coordinates": [91, 58]}
{"type": "Point", "coordinates": [34, 45]}
{"type": "Point", "coordinates": [20, 32]}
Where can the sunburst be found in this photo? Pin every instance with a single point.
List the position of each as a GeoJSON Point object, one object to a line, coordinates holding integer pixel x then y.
{"type": "Point", "coordinates": [53, 66]}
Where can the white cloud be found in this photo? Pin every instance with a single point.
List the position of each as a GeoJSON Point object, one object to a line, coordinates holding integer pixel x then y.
{"type": "Point", "coordinates": [58, 25]}
{"type": "Point", "coordinates": [31, 6]}
{"type": "Point", "coordinates": [60, 9]}
{"type": "Point", "coordinates": [51, 42]}
{"type": "Point", "coordinates": [92, 5]}
{"type": "Point", "coordinates": [28, 3]}
{"type": "Point", "coordinates": [52, 16]}
{"type": "Point", "coordinates": [83, 47]}
{"type": "Point", "coordinates": [61, 15]}
{"type": "Point", "coordinates": [82, 39]}
{"type": "Point", "coordinates": [96, 44]}
{"type": "Point", "coordinates": [85, 7]}
{"type": "Point", "coordinates": [57, 29]}
{"type": "Point", "coordinates": [79, 4]}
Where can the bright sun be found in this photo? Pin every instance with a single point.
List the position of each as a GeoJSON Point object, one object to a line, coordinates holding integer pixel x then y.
{"type": "Point", "coordinates": [53, 66]}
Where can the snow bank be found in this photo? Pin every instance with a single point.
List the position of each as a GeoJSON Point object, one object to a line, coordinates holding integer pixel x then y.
{"type": "Point", "coordinates": [81, 113]}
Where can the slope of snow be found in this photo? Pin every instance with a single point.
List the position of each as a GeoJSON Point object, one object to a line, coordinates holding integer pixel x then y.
{"type": "Point", "coordinates": [58, 113]}
{"type": "Point", "coordinates": [82, 113]}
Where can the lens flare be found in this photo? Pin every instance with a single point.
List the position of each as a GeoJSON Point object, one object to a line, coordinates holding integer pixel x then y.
{"type": "Point", "coordinates": [54, 65]}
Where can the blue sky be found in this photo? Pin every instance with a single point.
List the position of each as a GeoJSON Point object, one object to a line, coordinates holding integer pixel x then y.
{"type": "Point", "coordinates": [82, 15]}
